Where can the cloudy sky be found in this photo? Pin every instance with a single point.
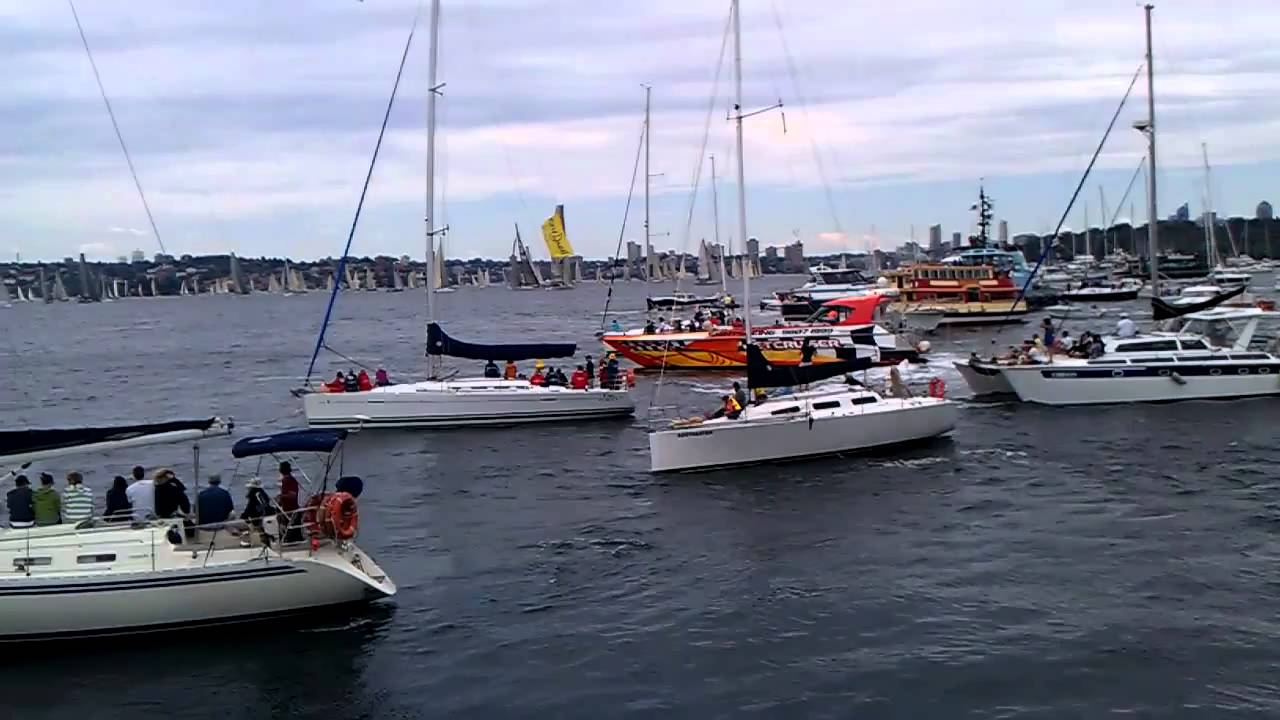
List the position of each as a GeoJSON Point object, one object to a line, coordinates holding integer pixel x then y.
{"type": "Point", "coordinates": [251, 122]}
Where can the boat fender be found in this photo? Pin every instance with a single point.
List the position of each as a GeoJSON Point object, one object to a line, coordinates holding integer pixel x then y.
{"type": "Point", "coordinates": [937, 388]}
{"type": "Point", "coordinates": [343, 515]}
{"type": "Point", "coordinates": [1177, 378]}
{"type": "Point", "coordinates": [923, 347]}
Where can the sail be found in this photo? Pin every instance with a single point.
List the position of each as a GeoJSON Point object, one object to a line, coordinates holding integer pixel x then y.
{"type": "Point", "coordinates": [370, 282]}
{"type": "Point", "coordinates": [18, 446]}
{"type": "Point", "coordinates": [554, 234]}
{"type": "Point", "coordinates": [1161, 310]}
{"type": "Point", "coordinates": [438, 343]}
{"type": "Point", "coordinates": [762, 374]}
{"type": "Point", "coordinates": [704, 262]}
{"type": "Point", "coordinates": [273, 285]}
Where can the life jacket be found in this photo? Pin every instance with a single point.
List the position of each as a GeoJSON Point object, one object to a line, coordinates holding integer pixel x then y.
{"type": "Point", "coordinates": [579, 380]}
{"type": "Point", "coordinates": [538, 378]}
{"type": "Point", "coordinates": [363, 382]}
{"type": "Point", "coordinates": [335, 386]}
{"type": "Point", "coordinates": [510, 372]}
{"type": "Point", "coordinates": [731, 405]}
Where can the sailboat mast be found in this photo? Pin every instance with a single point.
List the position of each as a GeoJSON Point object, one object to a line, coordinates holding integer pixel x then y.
{"type": "Point", "coordinates": [742, 189]}
{"type": "Point", "coordinates": [1152, 220]}
{"type": "Point", "coordinates": [430, 230]}
{"type": "Point", "coordinates": [715, 216]}
{"type": "Point", "coordinates": [1211, 251]}
{"type": "Point", "coordinates": [648, 248]}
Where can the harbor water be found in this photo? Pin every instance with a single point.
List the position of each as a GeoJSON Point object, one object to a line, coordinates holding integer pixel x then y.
{"type": "Point", "coordinates": [1040, 563]}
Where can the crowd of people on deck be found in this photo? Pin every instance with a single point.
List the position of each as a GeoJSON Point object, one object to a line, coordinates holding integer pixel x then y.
{"type": "Point", "coordinates": [140, 499]}
{"type": "Point", "coordinates": [353, 381]}
{"type": "Point", "coordinates": [700, 321]}
{"type": "Point", "coordinates": [583, 377]}
{"type": "Point", "coordinates": [1043, 347]}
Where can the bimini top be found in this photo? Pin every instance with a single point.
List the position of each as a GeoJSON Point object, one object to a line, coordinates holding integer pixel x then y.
{"type": "Point", "coordinates": [289, 441]}
{"type": "Point", "coordinates": [17, 446]}
{"type": "Point", "coordinates": [438, 343]}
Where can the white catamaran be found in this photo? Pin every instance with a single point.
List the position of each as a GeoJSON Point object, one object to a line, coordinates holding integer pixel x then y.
{"type": "Point", "coordinates": [450, 403]}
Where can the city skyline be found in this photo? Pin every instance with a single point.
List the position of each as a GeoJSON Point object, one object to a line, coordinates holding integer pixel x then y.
{"type": "Point", "coordinates": [252, 130]}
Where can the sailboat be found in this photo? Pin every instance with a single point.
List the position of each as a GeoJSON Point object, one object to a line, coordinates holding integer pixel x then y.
{"type": "Point", "coordinates": [370, 282]}
{"type": "Point", "coordinates": [296, 284]}
{"type": "Point", "coordinates": [810, 423]}
{"type": "Point", "coordinates": [274, 286]}
{"type": "Point", "coordinates": [470, 401]}
{"type": "Point", "coordinates": [59, 290]}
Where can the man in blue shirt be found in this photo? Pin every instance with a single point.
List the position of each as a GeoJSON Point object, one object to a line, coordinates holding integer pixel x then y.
{"type": "Point", "coordinates": [213, 507]}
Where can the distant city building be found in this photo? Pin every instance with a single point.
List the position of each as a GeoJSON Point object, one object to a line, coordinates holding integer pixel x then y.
{"type": "Point", "coordinates": [122, 259]}
{"type": "Point", "coordinates": [138, 256]}
{"type": "Point", "coordinates": [793, 258]}
{"type": "Point", "coordinates": [753, 248]}
{"type": "Point", "coordinates": [1264, 211]}
{"type": "Point", "coordinates": [1183, 213]}
{"type": "Point", "coordinates": [1002, 232]}
{"type": "Point", "coordinates": [935, 237]}
{"type": "Point", "coordinates": [956, 240]}
{"type": "Point", "coordinates": [771, 253]}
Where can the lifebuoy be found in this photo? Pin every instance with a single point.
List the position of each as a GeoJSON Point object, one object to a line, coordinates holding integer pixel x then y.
{"type": "Point", "coordinates": [342, 514]}
{"type": "Point", "coordinates": [937, 388]}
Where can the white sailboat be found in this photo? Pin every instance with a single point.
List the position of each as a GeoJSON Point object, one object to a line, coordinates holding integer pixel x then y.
{"type": "Point", "coordinates": [470, 401]}
{"type": "Point", "coordinates": [296, 284]}
{"type": "Point", "coordinates": [98, 578]}
{"type": "Point", "coordinates": [810, 423]}
{"type": "Point", "coordinates": [370, 282]}
{"type": "Point", "coordinates": [274, 286]}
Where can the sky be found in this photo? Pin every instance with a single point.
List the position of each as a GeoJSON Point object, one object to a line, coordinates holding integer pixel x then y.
{"type": "Point", "coordinates": [252, 123]}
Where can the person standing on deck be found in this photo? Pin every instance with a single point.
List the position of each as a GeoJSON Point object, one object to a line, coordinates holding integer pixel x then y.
{"type": "Point", "coordinates": [1047, 333]}
{"type": "Point", "coordinates": [77, 500]}
{"type": "Point", "coordinates": [612, 371]}
{"type": "Point", "coordinates": [591, 372]}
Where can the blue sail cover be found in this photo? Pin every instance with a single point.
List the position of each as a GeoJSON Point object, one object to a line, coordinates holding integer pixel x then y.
{"type": "Point", "coordinates": [22, 442]}
{"type": "Point", "coordinates": [762, 374]}
{"type": "Point", "coordinates": [288, 441]}
{"type": "Point", "coordinates": [438, 343]}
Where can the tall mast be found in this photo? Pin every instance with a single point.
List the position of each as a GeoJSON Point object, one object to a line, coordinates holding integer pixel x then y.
{"type": "Point", "coordinates": [1210, 247]}
{"type": "Point", "coordinates": [742, 189]}
{"type": "Point", "coordinates": [1106, 221]}
{"type": "Point", "coordinates": [648, 128]}
{"type": "Point", "coordinates": [431, 173]}
{"type": "Point", "coordinates": [715, 215]}
{"type": "Point", "coordinates": [1153, 226]}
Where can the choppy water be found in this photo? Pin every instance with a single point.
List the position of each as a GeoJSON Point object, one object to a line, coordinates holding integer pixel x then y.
{"type": "Point", "coordinates": [1042, 563]}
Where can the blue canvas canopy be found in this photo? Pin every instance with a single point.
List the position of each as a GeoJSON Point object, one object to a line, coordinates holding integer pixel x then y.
{"type": "Point", "coordinates": [438, 343]}
{"type": "Point", "coordinates": [289, 441]}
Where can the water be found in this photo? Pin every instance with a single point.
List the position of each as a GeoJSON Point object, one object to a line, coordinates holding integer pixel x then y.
{"type": "Point", "coordinates": [1043, 563]}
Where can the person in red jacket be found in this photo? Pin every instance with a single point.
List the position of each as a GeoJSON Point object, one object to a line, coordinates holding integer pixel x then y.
{"type": "Point", "coordinates": [579, 379]}
{"type": "Point", "coordinates": [537, 378]}
{"type": "Point", "coordinates": [363, 381]}
{"type": "Point", "coordinates": [339, 384]}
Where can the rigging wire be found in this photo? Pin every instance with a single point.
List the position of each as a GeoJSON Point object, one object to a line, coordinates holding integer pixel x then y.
{"type": "Point", "coordinates": [1044, 253]}
{"type": "Point", "coordinates": [116, 126]}
{"type": "Point", "coordinates": [364, 190]}
{"type": "Point", "coordinates": [622, 232]}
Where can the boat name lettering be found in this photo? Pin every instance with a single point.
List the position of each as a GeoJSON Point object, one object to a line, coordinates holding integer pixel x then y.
{"type": "Point", "coordinates": [693, 433]}
{"type": "Point", "coordinates": [1063, 375]}
{"type": "Point", "coordinates": [794, 344]}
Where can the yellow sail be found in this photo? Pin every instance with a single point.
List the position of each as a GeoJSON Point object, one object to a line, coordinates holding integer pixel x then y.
{"type": "Point", "coordinates": [553, 233]}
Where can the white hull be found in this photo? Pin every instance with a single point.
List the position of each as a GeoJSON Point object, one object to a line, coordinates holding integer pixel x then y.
{"type": "Point", "coordinates": [1064, 385]}
{"type": "Point", "coordinates": [759, 436]}
{"type": "Point", "coordinates": [984, 379]}
{"type": "Point", "coordinates": [149, 585]}
{"type": "Point", "coordinates": [462, 403]}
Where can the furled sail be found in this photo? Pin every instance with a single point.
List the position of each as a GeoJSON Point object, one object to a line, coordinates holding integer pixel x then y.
{"type": "Point", "coordinates": [438, 343]}
{"type": "Point", "coordinates": [18, 446]}
{"type": "Point", "coordinates": [762, 374]}
{"type": "Point", "coordinates": [1161, 310]}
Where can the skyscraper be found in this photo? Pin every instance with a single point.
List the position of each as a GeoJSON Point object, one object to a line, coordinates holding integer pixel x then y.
{"type": "Point", "coordinates": [956, 241]}
{"type": "Point", "coordinates": [1002, 232]}
{"type": "Point", "coordinates": [1264, 210]}
{"type": "Point", "coordinates": [935, 237]}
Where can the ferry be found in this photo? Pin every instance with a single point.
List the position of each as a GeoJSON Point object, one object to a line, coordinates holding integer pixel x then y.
{"type": "Point", "coordinates": [963, 294]}
{"type": "Point", "coordinates": [834, 332]}
{"type": "Point", "coordinates": [1011, 262]}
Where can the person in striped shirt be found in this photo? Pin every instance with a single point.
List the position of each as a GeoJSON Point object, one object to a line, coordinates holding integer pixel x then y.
{"type": "Point", "coordinates": [77, 500]}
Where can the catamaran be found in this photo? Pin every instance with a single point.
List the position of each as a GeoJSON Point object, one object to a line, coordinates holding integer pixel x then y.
{"type": "Point", "coordinates": [450, 403]}
{"type": "Point", "coordinates": [100, 577]}
{"type": "Point", "coordinates": [821, 421]}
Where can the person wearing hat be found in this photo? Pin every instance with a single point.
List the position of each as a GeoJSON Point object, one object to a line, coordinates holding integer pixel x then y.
{"type": "Point", "coordinates": [257, 506]}
{"type": "Point", "coordinates": [46, 502]}
{"type": "Point", "coordinates": [538, 378]}
{"type": "Point", "coordinates": [1125, 328]}
{"type": "Point", "coordinates": [22, 513]}
{"type": "Point", "coordinates": [77, 501]}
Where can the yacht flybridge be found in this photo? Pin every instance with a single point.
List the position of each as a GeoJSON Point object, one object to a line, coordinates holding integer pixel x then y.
{"type": "Point", "coordinates": [441, 402]}
{"type": "Point", "coordinates": [99, 578]}
{"type": "Point", "coordinates": [1213, 357]}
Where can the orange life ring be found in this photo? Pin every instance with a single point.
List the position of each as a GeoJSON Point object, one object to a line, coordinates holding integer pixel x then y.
{"type": "Point", "coordinates": [343, 515]}
{"type": "Point", "coordinates": [937, 388]}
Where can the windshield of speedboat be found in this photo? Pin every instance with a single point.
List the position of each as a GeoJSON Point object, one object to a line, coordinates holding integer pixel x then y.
{"type": "Point", "coordinates": [1224, 332]}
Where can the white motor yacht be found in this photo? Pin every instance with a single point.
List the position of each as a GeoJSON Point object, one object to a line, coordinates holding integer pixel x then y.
{"type": "Point", "coordinates": [1202, 361]}
{"type": "Point", "coordinates": [100, 578]}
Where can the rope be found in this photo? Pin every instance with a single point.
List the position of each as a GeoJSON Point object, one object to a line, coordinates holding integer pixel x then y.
{"type": "Point", "coordinates": [346, 251]}
{"type": "Point", "coordinates": [635, 171]}
{"type": "Point", "coordinates": [116, 125]}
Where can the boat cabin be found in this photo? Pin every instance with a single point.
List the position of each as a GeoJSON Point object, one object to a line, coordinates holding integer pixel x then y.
{"type": "Point", "coordinates": [955, 283]}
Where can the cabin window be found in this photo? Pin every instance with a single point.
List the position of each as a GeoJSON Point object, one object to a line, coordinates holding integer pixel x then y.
{"type": "Point", "coordinates": [786, 410]}
{"type": "Point", "coordinates": [1152, 360]}
{"type": "Point", "coordinates": [1148, 346]}
{"type": "Point", "coordinates": [1250, 356]}
{"type": "Point", "coordinates": [1108, 362]}
{"type": "Point", "coordinates": [826, 405]}
{"type": "Point", "coordinates": [98, 558]}
{"type": "Point", "coordinates": [26, 562]}
{"type": "Point", "coordinates": [862, 400]}
{"type": "Point", "coordinates": [1194, 345]}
